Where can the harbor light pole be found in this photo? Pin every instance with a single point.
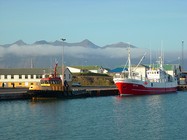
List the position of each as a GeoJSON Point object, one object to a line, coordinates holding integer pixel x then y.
{"type": "Point", "coordinates": [63, 69]}
{"type": "Point", "coordinates": [182, 63]}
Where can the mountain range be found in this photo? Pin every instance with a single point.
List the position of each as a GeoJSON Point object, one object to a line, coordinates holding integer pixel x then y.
{"type": "Point", "coordinates": [43, 54]}
{"type": "Point", "coordinates": [85, 43]}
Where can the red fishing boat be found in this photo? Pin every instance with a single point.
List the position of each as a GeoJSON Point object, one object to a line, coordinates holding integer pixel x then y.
{"type": "Point", "coordinates": [156, 80]}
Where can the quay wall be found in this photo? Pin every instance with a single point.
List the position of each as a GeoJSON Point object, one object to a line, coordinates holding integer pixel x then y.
{"type": "Point", "coordinates": [20, 94]}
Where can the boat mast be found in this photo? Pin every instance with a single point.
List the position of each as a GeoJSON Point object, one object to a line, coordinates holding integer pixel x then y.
{"type": "Point", "coordinates": [161, 63]}
{"type": "Point", "coordinates": [63, 69]}
{"type": "Point", "coordinates": [55, 70]}
{"type": "Point", "coordinates": [150, 57]}
{"type": "Point", "coordinates": [129, 61]}
{"type": "Point", "coordinates": [161, 57]}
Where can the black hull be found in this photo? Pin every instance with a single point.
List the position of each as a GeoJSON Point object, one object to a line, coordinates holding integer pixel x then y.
{"type": "Point", "coordinates": [44, 94]}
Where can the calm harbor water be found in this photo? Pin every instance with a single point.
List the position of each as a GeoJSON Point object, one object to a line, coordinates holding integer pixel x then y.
{"type": "Point", "coordinates": [155, 117]}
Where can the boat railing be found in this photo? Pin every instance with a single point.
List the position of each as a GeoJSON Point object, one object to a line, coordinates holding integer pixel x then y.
{"type": "Point", "coordinates": [140, 78]}
{"type": "Point", "coordinates": [121, 75]}
{"type": "Point", "coordinates": [126, 75]}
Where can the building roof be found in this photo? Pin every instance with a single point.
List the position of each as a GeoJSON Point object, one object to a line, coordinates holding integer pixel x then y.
{"type": "Point", "coordinates": [28, 71]}
{"type": "Point", "coordinates": [23, 71]}
{"type": "Point", "coordinates": [117, 70]}
{"type": "Point", "coordinates": [87, 67]}
{"type": "Point", "coordinates": [166, 67]}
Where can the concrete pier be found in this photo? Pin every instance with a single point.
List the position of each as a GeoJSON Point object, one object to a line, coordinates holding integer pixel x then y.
{"type": "Point", "coordinates": [13, 93]}
{"type": "Point", "coordinates": [21, 93]}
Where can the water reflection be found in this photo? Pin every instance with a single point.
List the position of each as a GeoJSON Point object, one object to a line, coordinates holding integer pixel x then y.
{"type": "Point", "coordinates": [151, 116]}
{"type": "Point", "coordinates": [114, 117]}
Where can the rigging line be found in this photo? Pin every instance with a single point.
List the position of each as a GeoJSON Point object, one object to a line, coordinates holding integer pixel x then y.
{"type": "Point", "coordinates": [140, 61]}
{"type": "Point", "coordinates": [125, 66]}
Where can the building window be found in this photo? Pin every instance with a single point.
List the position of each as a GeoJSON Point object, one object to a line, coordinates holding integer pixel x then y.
{"type": "Point", "coordinates": [12, 76]}
{"type": "Point", "coordinates": [20, 77]}
{"type": "Point", "coordinates": [32, 76]}
{"type": "Point", "coordinates": [26, 76]}
{"type": "Point", "coordinates": [19, 84]}
{"type": "Point", "coordinates": [69, 76]}
{"type": "Point", "coordinates": [6, 76]}
{"type": "Point", "coordinates": [38, 76]}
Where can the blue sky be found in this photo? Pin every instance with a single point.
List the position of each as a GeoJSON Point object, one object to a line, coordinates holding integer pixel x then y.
{"type": "Point", "coordinates": [143, 23]}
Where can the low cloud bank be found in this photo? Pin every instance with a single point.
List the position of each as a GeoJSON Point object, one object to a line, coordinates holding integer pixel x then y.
{"type": "Point", "coordinates": [81, 52]}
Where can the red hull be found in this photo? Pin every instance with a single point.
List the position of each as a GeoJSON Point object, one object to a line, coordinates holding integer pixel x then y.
{"type": "Point", "coordinates": [130, 88]}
